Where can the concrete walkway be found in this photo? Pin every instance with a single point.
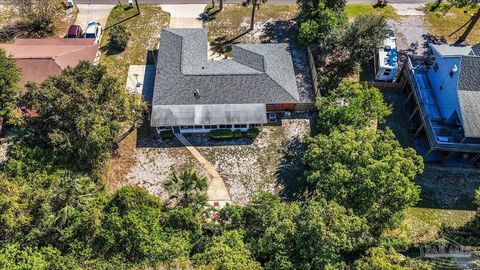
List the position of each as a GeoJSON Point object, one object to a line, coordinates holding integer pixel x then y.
{"type": "Point", "coordinates": [217, 191]}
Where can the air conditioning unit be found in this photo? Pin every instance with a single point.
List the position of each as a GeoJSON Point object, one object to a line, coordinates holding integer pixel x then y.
{"type": "Point", "coordinates": [130, 3]}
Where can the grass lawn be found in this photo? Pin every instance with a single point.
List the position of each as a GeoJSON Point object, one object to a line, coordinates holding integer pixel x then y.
{"type": "Point", "coordinates": [443, 25]}
{"type": "Point", "coordinates": [144, 30]}
{"type": "Point", "coordinates": [421, 225]}
{"type": "Point", "coordinates": [235, 20]}
{"type": "Point", "coordinates": [355, 10]}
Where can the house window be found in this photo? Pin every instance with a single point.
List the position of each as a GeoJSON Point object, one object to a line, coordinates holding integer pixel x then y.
{"type": "Point", "coordinates": [240, 126]}
{"type": "Point", "coordinates": [435, 67]}
{"type": "Point", "coordinates": [210, 126]}
{"type": "Point", "coordinates": [254, 125]}
{"type": "Point", "coordinates": [187, 127]}
{"type": "Point", "coordinates": [225, 126]}
{"type": "Point", "coordinates": [198, 127]}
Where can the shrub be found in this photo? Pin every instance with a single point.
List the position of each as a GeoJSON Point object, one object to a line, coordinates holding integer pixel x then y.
{"type": "Point", "coordinates": [237, 134]}
{"type": "Point", "coordinates": [166, 135]}
{"type": "Point", "coordinates": [221, 134]}
{"type": "Point", "coordinates": [118, 37]}
{"type": "Point", "coordinates": [253, 133]}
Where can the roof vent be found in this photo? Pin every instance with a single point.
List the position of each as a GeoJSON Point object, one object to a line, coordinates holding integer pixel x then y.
{"type": "Point", "coordinates": [196, 94]}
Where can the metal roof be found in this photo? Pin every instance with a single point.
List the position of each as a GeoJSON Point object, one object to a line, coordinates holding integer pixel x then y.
{"type": "Point", "coordinates": [211, 114]}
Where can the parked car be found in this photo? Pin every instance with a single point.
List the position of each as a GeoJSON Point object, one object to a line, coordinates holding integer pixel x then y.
{"type": "Point", "coordinates": [75, 31]}
{"type": "Point", "coordinates": [94, 30]}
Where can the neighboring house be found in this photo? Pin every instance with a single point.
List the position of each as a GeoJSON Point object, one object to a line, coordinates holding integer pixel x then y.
{"type": "Point", "coordinates": [40, 58]}
{"type": "Point", "coordinates": [192, 94]}
{"type": "Point", "coordinates": [447, 98]}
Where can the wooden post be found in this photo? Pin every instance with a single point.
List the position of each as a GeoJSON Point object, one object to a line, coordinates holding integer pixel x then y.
{"type": "Point", "coordinates": [413, 114]}
{"type": "Point", "coordinates": [419, 129]}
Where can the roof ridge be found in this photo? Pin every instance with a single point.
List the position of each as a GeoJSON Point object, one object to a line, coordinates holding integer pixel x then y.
{"type": "Point", "coordinates": [72, 51]}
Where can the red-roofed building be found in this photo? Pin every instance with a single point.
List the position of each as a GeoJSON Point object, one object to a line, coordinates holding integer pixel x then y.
{"type": "Point", "coordinates": [40, 58]}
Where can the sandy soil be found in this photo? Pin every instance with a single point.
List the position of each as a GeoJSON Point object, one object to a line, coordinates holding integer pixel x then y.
{"type": "Point", "coordinates": [246, 166]}
{"type": "Point", "coordinates": [256, 167]}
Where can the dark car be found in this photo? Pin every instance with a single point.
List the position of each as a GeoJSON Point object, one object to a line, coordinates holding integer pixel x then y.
{"type": "Point", "coordinates": [75, 31]}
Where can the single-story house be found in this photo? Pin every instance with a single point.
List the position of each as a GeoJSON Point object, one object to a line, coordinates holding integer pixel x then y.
{"type": "Point", "coordinates": [40, 58]}
{"type": "Point", "coordinates": [446, 95]}
{"type": "Point", "coordinates": [192, 94]}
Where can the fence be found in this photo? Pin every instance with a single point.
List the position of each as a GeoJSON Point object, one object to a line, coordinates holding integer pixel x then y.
{"type": "Point", "coordinates": [313, 70]}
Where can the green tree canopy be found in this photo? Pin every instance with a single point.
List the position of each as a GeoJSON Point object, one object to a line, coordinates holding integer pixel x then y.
{"type": "Point", "coordinates": [9, 77]}
{"type": "Point", "coordinates": [363, 37]}
{"type": "Point", "coordinates": [226, 252]}
{"type": "Point", "coordinates": [351, 104]}
{"type": "Point", "coordinates": [365, 170]}
{"type": "Point", "coordinates": [81, 113]}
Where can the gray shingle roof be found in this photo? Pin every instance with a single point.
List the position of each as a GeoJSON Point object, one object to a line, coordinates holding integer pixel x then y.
{"type": "Point", "coordinates": [469, 95]}
{"type": "Point", "coordinates": [257, 74]}
{"type": "Point", "coordinates": [476, 49]}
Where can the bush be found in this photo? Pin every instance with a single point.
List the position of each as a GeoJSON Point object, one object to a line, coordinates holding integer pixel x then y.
{"type": "Point", "coordinates": [118, 37]}
{"type": "Point", "coordinates": [221, 134]}
{"type": "Point", "coordinates": [237, 134]}
{"type": "Point", "coordinates": [253, 133]}
{"type": "Point", "coordinates": [166, 135]}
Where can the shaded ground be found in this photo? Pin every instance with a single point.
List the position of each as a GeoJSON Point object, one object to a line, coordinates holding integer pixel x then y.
{"type": "Point", "coordinates": [448, 186]}
{"type": "Point", "coordinates": [144, 33]}
{"type": "Point", "coordinates": [12, 26]}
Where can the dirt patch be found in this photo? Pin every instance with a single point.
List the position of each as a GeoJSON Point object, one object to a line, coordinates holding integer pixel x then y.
{"type": "Point", "coordinates": [411, 33]}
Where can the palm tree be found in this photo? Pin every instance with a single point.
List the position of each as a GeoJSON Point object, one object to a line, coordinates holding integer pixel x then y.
{"type": "Point", "coordinates": [255, 5]}
{"type": "Point", "coordinates": [187, 189]}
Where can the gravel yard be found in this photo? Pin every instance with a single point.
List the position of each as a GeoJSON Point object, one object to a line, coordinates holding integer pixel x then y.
{"type": "Point", "coordinates": [271, 163]}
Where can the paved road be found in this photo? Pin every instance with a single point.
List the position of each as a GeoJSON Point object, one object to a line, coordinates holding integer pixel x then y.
{"type": "Point", "coordinates": [233, 1]}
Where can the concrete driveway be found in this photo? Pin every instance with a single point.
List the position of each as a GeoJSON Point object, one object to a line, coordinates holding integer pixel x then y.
{"type": "Point", "coordinates": [88, 12]}
{"type": "Point", "coordinates": [185, 16]}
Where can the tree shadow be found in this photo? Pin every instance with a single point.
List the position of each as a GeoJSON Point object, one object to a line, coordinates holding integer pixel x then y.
{"type": "Point", "coordinates": [122, 21]}
{"type": "Point", "coordinates": [290, 173]}
{"type": "Point", "coordinates": [222, 45]}
{"type": "Point", "coordinates": [280, 31]}
{"type": "Point", "coordinates": [23, 30]}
